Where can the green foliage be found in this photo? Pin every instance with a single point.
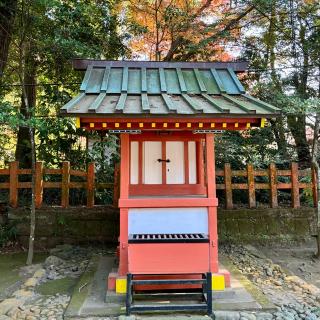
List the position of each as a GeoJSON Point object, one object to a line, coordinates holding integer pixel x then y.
{"type": "Point", "coordinates": [47, 34]}
{"type": "Point", "coordinates": [54, 32]}
{"type": "Point", "coordinates": [8, 232]}
{"type": "Point", "coordinates": [104, 151]}
{"type": "Point", "coordinates": [252, 146]}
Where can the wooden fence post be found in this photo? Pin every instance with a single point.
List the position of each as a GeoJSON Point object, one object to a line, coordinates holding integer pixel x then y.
{"type": "Point", "coordinates": [295, 198]}
{"type": "Point", "coordinates": [90, 185]}
{"type": "Point", "coordinates": [314, 186]}
{"type": "Point", "coordinates": [13, 186]}
{"type": "Point", "coordinates": [65, 184]}
{"type": "Point", "coordinates": [251, 186]}
{"type": "Point", "coordinates": [228, 185]}
{"type": "Point", "coordinates": [116, 185]}
{"type": "Point", "coordinates": [273, 185]}
{"type": "Point", "coordinates": [39, 184]}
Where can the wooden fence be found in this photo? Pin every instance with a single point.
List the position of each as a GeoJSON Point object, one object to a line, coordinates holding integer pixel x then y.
{"type": "Point", "coordinates": [272, 175]}
{"type": "Point", "coordinates": [65, 183]}
{"type": "Point", "coordinates": [272, 183]}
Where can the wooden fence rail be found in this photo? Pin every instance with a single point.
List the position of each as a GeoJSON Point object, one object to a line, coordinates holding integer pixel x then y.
{"type": "Point", "coordinates": [272, 183]}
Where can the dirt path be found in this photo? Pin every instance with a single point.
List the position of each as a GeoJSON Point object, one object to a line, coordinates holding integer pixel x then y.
{"type": "Point", "coordinates": [297, 259]}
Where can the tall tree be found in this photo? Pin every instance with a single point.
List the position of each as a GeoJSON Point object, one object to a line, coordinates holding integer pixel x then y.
{"type": "Point", "coordinates": [183, 30]}
{"type": "Point", "coordinates": [7, 14]}
{"type": "Point", "coordinates": [283, 49]}
{"type": "Point", "coordinates": [45, 36]}
{"type": "Point", "coordinates": [51, 33]}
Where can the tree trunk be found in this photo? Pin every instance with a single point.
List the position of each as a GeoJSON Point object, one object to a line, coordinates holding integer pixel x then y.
{"type": "Point", "coordinates": [33, 202]}
{"type": "Point", "coordinates": [297, 126]}
{"type": "Point", "coordinates": [23, 152]}
{"type": "Point", "coordinates": [26, 139]}
{"type": "Point", "coordinates": [7, 15]}
{"type": "Point", "coordinates": [28, 102]}
{"type": "Point", "coordinates": [278, 127]}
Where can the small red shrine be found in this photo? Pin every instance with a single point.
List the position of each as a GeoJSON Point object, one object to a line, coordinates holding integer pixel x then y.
{"type": "Point", "coordinates": [166, 115]}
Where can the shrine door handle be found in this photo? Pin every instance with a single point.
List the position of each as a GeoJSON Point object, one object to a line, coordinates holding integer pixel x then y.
{"type": "Point", "coordinates": [163, 160]}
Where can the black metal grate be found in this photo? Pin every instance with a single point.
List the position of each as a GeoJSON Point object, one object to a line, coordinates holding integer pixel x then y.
{"type": "Point", "coordinates": [169, 237]}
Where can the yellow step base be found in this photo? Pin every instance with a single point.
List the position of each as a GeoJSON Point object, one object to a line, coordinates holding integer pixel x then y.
{"type": "Point", "coordinates": [218, 284]}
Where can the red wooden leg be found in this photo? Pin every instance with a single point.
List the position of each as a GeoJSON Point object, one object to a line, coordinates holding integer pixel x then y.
{"type": "Point", "coordinates": [213, 236]}
{"type": "Point", "coordinates": [123, 262]}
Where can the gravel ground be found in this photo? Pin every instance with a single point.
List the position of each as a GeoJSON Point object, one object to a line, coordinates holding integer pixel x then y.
{"type": "Point", "coordinates": [295, 297]}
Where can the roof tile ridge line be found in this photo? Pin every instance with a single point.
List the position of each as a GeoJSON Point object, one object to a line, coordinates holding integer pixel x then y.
{"type": "Point", "coordinates": [238, 103]}
{"type": "Point", "coordinates": [216, 77]}
{"type": "Point", "coordinates": [105, 79]}
{"type": "Point", "coordinates": [182, 83]}
{"type": "Point", "coordinates": [168, 102]}
{"type": "Point", "coordinates": [144, 87]}
{"type": "Point", "coordinates": [125, 78]}
{"type": "Point", "coordinates": [193, 104]}
{"type": "Point", "coordinates": [236, 81]}
{"type": "Point", "coordinates": [213, 103]}
{"type": "Point", "coordinates": [73, 101]}
{"type": "Point", "coordinates": [97, 102]}
{"type": "Point", "coordinates": [86, 78]}
{"type": "Point", "coordinates": [200, 82]}
{"type": "Point", "coordinates": [261, 103]}
{"type": "Point", "coordinates": [162, 78]}
{"type": "Point", "coordinates": [121, 102]}
{"type": "Point", "coordinates": [145, 102]}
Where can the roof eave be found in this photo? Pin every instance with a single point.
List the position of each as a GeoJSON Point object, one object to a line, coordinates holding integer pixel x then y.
{"type": "Point", "coordinates": [82, 64]}
{"type": "Point", "coordinates": [168, 115]}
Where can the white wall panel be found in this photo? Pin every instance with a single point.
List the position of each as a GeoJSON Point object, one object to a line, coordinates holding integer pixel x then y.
{"type": "Point", "coordinates": [168, 220]}
{"type": "Point", "coordinates": [152, 169]}
{"type": "Point", "coordinates": [134, 162]}
{"type": "Point", "coordinates": [175, 168]}
{"type": "Point", "coordinates": [192, 162]}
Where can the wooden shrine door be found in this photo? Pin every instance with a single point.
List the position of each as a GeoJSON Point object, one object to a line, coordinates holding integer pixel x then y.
{"type": "Point", "coordinates": [165, 167]}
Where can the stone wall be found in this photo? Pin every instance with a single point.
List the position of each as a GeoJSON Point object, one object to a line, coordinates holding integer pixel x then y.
{"type": "Point", "coordinates": [265, 225]}
{"type": "Point", "coordinates": [101, 224]}
{"type": "Point", "coordinates": [72, 225]}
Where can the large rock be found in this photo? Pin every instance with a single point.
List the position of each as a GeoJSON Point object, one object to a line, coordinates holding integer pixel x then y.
{"type": "Point", "coordinates": [39, 273]}
{"type": "Point", "coordinates": [227, 315]}
{"type": "Point", "coordinates": [64, 251]}
{"type": "Point", "coordinates": [31, 282]}
{"type": "Point", "coordinates": [28, 270]}
{"type": "Point", "coordinates": [123, 317]}
{"type": "Point", "coordinates": [22, 293]}
{"type": "Point", "coordinates": [53, 261]}
{"type": "Point", "coordinates": [8, 304]}
{"type": "Point", "coordinates": [264, 316]}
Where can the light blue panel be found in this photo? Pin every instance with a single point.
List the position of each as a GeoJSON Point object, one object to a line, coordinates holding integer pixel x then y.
{"type": "Point", "coordinates": [191, 81]}
{"type": "Point", "coordinates": [95, 80]}
{"type": "Point", "coordinates": [228, 82]}
{"type": "Point", "coordinates": [115, 80]}
{"type": "Point", "coordinates": [153, 81]}
{"type": "Point", "coordinates": [168, 220]}
{"type": "Point", "coordinates": [209, 82]}
{"type": "Point", "coordinates": [172, 81]}
{"type": "Point", "coordinates": [134, 82]}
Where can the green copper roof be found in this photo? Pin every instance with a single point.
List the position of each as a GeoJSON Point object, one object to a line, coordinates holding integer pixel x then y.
{"type": "Point", "coordinates": [164, 88]}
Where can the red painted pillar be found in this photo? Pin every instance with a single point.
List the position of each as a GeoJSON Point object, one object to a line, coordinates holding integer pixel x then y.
{"type": "Point", "coordinates": [212, 211]}
{"type": "Point", "coordinates": [200, 168]}
{"type": "Point", "coordinates": [124, 194]}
